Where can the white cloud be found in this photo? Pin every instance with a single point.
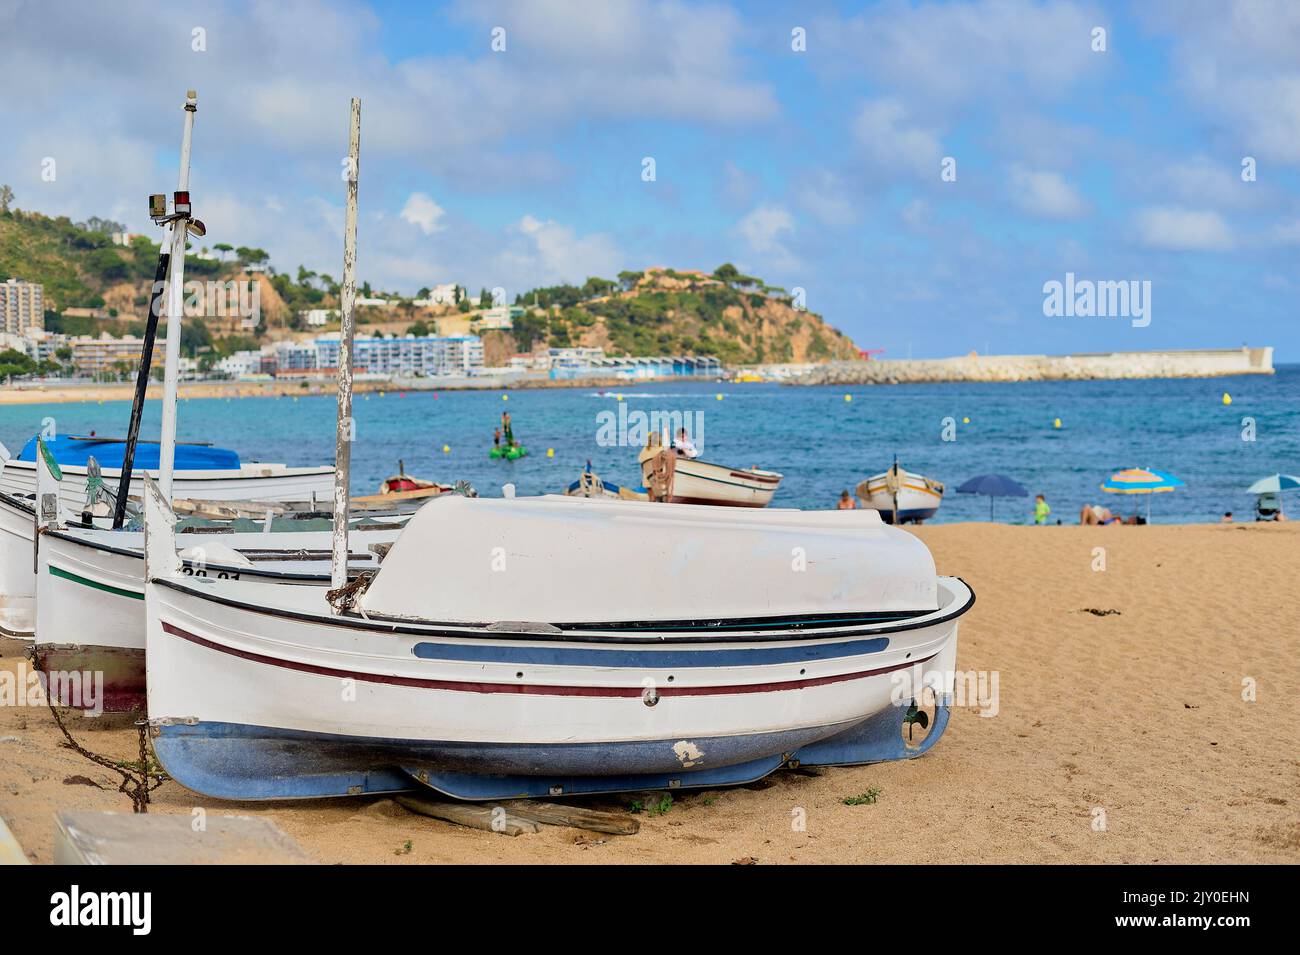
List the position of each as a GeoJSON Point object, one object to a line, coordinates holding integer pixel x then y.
{"type": "Point", "coordinates": [1238, 62]}
{"type": "Point", "coordinates": [1045, 194]}
{"type": "Point", "coordinates": [885, 130]}
{"type": "Point", "coordinates": [1182, 229]}
{"type": "Point", "coordinates": [952, 54]}
{"type": "Point", "coordinates": [546, 252]}
{"type": "Point", "coordinates": [763, 229]}
{"type": "Point", "coordinates": [423, 213]}
{"type": "Point", "coordinates": [827, 198]}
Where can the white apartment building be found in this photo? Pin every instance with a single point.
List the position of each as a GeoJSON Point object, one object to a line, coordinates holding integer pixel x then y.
{"type": "Point", "coordinates": [22, 306]}
{"type": "Point", "coordinates": [444, 294]}
{"type": "Point", "coordinates": [426, 356]}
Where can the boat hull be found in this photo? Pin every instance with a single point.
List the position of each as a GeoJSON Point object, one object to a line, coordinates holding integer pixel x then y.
{"type": "Point", "coordinates": [692, 481]}
{"type": "Point", "coordinates": [918, 498]}
{"type": "Point", "coordinates": [251, 482]}
{"type": "Point", "coordinates": [17, 568]}
{"type": "Point", "coordinates": [252, 702]}
{"type": "Point", "coordinates": [90, 606]}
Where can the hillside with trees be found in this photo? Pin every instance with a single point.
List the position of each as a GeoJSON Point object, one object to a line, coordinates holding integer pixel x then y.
{"type": "Point", "coordinates": [659, 311]}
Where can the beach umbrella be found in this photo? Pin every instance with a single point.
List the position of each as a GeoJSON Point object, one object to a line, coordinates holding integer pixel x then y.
{"type": "Point", "coordinates": [994, 485]}
{"type": "Point", "coordinates": [1146, 481]}
{"type": "Point", "coordinates": [1274, 484]}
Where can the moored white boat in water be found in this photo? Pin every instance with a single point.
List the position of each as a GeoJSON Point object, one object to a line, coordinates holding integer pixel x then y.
{"type": "Point", "coordinates": [706, 660]}
{"type": "Point", "coordinates": [677, 479]}
{"type": "Point", "coordinates": [912, 497]}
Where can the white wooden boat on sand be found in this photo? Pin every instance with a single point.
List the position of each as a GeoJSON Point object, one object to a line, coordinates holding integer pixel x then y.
{"type": "Point", "coordinates": [710, 662]}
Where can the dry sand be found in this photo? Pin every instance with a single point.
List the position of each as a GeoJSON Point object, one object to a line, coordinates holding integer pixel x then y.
{"type": "Point", "coordinates": [1139, 714]}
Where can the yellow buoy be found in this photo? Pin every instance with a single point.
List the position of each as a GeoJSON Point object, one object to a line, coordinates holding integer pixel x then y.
{"type": "Point", "coordinates": [718, 396]}
{"type": "Point", "coordinates": [550, 452]}
{"type": "Point", "coordinates": [446, 449]}
{"type": "Point", "coordinates": [505, 397]}
{"type": "Point", "coordinates": [618, 397]}
{"type": "Point", "coordinates": [1056, 423]}
{"type": "Point", "coordinates": [848, 397]}
{"type": "Point", "coordinates": [1227, 398]}
{"type": "Point", "coordinates": [965, 420]}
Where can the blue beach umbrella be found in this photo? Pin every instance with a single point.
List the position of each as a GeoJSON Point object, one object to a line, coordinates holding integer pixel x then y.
{"type": "Point", "coordinates": [1274, 484]}
{"type": "Point", "coordinates": [994, 485]}
{"type": "Point", "coordinates": [1146, 481]}
{"type": "Point", "coordinates": [1270, 488]}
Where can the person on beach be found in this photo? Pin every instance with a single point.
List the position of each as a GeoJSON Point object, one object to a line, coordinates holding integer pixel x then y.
{"type": "Point", "coordinates": [1227, 518]}
{"type": "Point", "coordinates": [1041, 510]}
{"type": "Point", "coordinates": [845, 502]}
{"type": "Point", "coordinates": [1096, 514]}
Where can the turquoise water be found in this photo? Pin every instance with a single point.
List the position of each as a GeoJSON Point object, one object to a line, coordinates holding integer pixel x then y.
{"type": "Point", "coordinates": [820, 442]}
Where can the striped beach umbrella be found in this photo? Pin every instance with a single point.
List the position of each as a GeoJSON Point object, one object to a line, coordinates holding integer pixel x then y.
{"type": "Point", "coordinates": [1140, 481]}
{"type": "Point", "coordinates": [1274, 484]}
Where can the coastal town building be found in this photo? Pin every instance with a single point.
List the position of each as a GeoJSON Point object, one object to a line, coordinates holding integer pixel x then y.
{"type": "Point", "coordinates": [318, 317]}
{"type": "Point", "coordinates": [22, 306]}
{"type": "Point", "coordinates": [500, 317]}
{"type": "Point", "coordinates": [106, 354]}
{"type": "Point", "coordinates": [444, 294]}
{"type": "Point", "coordinates": [428, 356]}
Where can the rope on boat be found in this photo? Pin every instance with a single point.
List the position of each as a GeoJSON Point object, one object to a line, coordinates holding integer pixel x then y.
{"type": "Point", "coordinates": [345, 598]}
{"type": "Point", "coordinates": [138, 778]}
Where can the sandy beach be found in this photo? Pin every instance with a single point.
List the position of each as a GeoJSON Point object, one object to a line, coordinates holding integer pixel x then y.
{"type": "Point", "coordinates": [293, 387]}
{"type": "Point", "coordinates": [1135, 717]}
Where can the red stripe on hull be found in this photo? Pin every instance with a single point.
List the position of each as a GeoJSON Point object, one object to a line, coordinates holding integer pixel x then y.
{"type": "Point", "coordinates": [534, 689]}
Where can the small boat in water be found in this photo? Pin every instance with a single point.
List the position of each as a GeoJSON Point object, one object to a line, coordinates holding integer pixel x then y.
{"type": "Point", "coordinates": [705, 663]}
{"type": "Point", "coordinates": [677, 479]}
{"type": "Point", "coordinates": [901, 496]}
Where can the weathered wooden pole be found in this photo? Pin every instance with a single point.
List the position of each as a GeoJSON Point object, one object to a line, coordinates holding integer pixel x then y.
{"type": "Point", "coordinates": [347, 304]}
{"type": "Point", "coordinates": [175, 308]}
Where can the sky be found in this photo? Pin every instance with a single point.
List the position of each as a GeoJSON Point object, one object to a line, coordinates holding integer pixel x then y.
{"type": "Point", "coordinates": [920, 170]}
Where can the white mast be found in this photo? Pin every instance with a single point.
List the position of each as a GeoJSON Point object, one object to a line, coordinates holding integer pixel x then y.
{"type": "Point", "coordinates": [347, 304]}
{"type": "Point", "coordinates": [175, 306]}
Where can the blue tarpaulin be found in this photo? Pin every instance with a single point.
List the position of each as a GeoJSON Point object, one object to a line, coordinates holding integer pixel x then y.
{"type": "Point", "coordinates": [69, 450]}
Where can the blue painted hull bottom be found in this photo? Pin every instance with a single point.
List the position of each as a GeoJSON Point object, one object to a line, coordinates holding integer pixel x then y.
{"type": "Point", "coordinates": [230, 761]}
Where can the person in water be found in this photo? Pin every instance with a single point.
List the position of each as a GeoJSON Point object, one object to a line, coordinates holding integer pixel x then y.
{"type": "Point", "coordinates": [845, 502]}
{"type": "Point", "coordinates": [507, 430]}
{"type": "Point", "coordinates": [496, 438]}
{"type": "Point", "coordinates": [1041, 510]}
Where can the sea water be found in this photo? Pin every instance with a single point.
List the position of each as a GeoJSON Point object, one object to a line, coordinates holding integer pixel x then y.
{"type": "Point", "coordinates": [820, 442]}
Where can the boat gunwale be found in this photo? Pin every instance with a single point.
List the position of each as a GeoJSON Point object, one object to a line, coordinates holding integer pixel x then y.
{"type": "Point", "coordinates": [270, 576]}
{"type": "Point", "coordinates": [796, 630]}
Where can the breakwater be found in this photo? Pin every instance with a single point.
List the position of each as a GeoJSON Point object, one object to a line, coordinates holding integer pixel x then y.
{"type": "Point", "coordinates": [1200, 363]}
